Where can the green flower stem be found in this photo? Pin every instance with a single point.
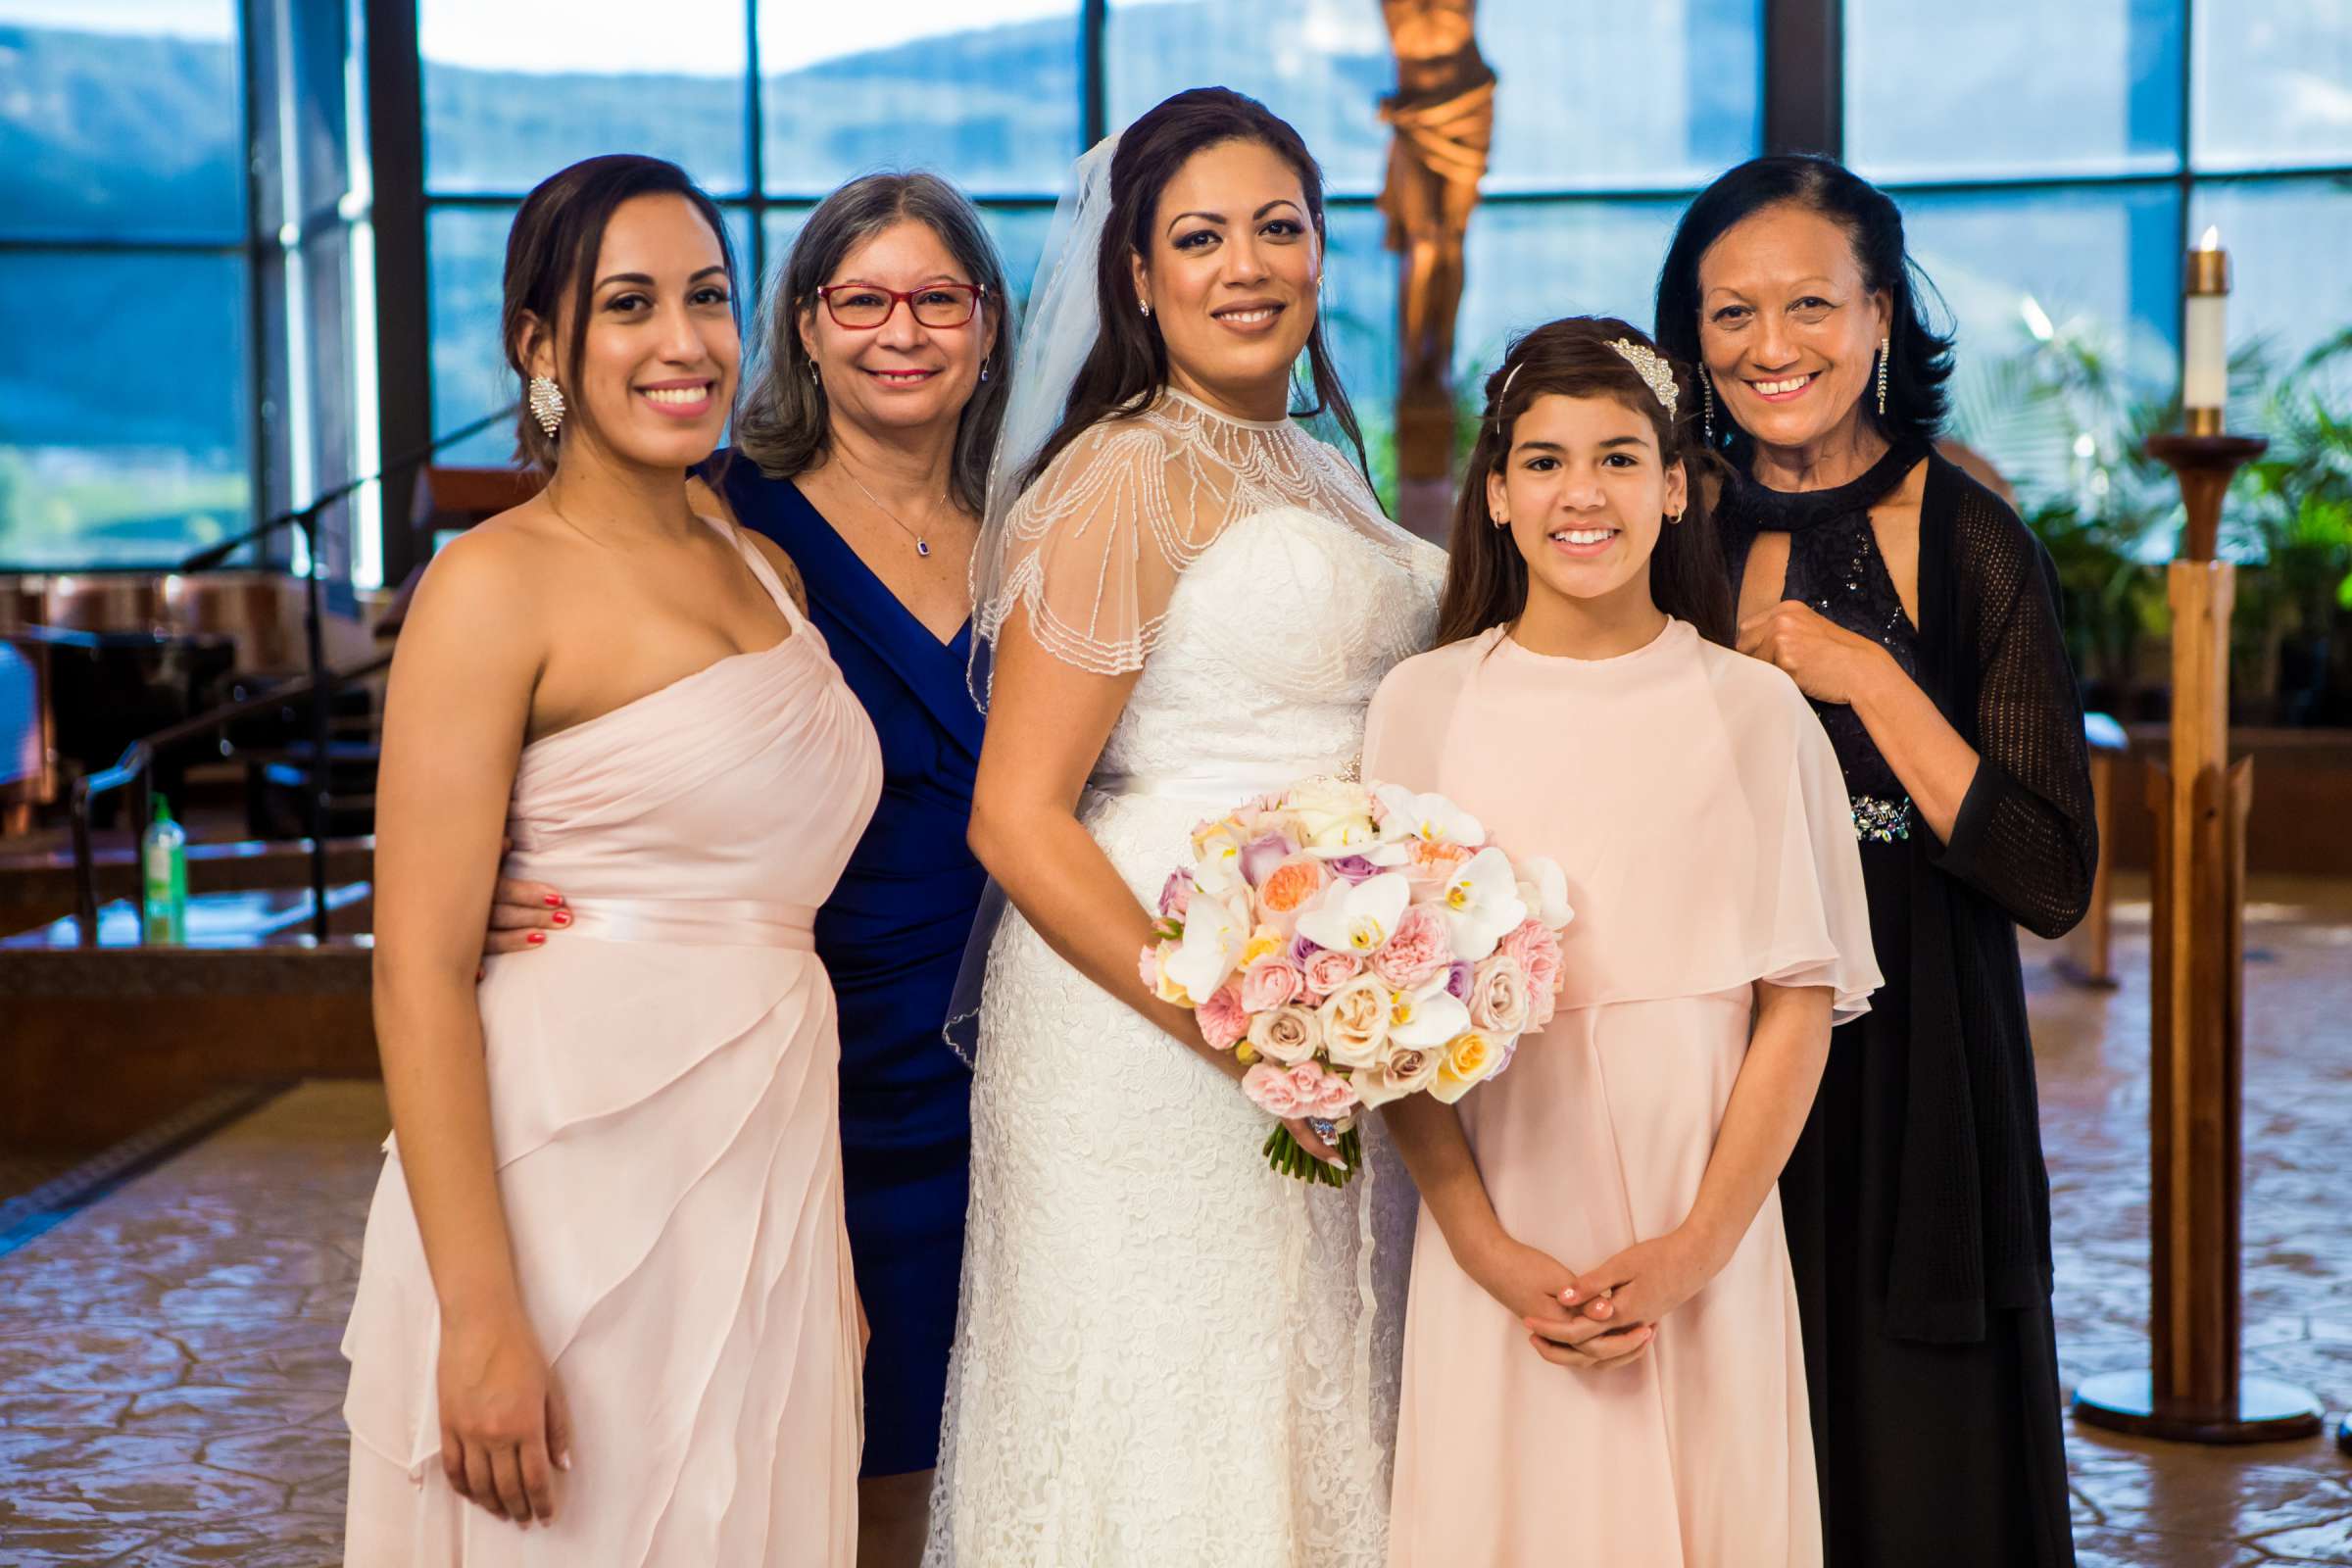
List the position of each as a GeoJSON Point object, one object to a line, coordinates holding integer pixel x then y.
{"type": "Point", "coordinates": [1284, 1153]}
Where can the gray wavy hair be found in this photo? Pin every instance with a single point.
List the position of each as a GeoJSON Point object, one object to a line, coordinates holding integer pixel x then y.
{"type": "Point", "coordinates": [783, 425]}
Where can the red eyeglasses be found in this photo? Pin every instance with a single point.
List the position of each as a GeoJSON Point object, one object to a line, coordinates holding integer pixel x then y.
{"type": "Point", "coordinates": [863, 306]}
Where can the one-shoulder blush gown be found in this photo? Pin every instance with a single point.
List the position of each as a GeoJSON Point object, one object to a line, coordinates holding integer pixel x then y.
{"type": "Point", "coordinates": [665, 1108]}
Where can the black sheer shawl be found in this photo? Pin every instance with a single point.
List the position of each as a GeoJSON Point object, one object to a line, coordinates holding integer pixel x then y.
{"type": "Point", "coordinates": [1972, 1219]}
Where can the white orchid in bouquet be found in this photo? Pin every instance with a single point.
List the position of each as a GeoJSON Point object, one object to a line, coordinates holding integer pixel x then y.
{"type": "Point", "coordinates": [1352, 944]}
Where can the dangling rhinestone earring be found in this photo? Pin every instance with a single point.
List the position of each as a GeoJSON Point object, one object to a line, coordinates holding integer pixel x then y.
{"type": "Point", "coordinates": [984, 368]}
{"type": "Point", "coordinates": [814, 379]}
{"type": "Point", "coordinates": [1886, 349]}
{"type": "Point", "coordinates": [547, 404]}
{"type": "Point", "coordinates": [1144, 306]}
{"type": "Point", "coordinates": [1706, 387]}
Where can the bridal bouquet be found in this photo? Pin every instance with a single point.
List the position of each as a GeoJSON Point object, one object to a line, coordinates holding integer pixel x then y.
{"type": "Point", "coordinates": [1352, 944]}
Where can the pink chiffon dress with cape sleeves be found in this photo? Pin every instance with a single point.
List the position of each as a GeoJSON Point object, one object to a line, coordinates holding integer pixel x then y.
{"type": "Point", "coordinates": [664, 1113]}
{"type": "Point", "coordinates": [1696, 806]}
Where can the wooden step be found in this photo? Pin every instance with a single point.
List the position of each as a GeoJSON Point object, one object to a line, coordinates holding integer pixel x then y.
{"type": "Point", "coordinates": [98, 1042]}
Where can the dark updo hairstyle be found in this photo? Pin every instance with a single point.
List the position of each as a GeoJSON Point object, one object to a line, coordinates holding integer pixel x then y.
{"type": "Point", "coordinates": [1486, 576]}
{"type": "Point", "coordinates": [551, 261]}
{"type": "Point", "coordinates": [784, 426]}
{"type": "Point", "coordinates": [1921, 358]}
{"type": "Point", "coordinates": [1128, 364]}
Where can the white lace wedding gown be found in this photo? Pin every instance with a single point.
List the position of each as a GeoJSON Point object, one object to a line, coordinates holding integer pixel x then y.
{"type": "Point", "coordinates": [1166, 1355]}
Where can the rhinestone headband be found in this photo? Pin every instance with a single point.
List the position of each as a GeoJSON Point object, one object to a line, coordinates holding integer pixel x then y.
{"type": "Point", "coordinates": [1652, 367]}
{"type": "Point", "coordinates": [1503, 396]}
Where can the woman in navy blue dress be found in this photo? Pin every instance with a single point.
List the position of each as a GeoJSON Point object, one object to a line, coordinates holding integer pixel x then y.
{"type": "Point", "coordinates": [864, 445]}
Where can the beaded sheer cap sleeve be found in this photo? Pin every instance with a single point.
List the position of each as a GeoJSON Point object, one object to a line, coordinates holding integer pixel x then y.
{"type": "Point", "coordinates": [1093, 550]}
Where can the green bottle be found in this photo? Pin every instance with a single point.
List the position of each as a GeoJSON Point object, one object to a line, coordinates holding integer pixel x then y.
{"type": "Point", "coordinates": [164, 865]}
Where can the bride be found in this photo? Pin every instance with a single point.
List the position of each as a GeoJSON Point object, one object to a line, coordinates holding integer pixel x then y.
{"type": "Point", "coordinates": [1166, 1353]}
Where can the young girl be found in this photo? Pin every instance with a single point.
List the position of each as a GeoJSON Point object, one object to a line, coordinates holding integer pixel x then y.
{"type": "Point", "coordinates": [1605, 1204]}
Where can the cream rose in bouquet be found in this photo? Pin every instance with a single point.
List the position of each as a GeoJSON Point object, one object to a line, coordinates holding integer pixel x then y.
{"type": "Point", "coordinates": [1352, 944]}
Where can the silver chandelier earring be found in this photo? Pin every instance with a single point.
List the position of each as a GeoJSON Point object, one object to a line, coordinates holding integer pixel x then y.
{"type": "Point", "coordinates": [1885, 350]}
{"type": "Point", "coordinates": [1706, 389]}
{"type": "Point", "coordinates": [547, 404]}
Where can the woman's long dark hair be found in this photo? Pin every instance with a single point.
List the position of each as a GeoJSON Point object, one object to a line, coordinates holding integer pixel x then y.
{"type": "Point", "coordinates": [551, 257]}
{"type": "Point", "coordinates": [1129, 362]}
{"type": "Point", "coordinates": [1919, 360]}
{"type": "Point", "coordinates": [1486, 576]}
{"type": "Point", "coordinates": [785, 426]}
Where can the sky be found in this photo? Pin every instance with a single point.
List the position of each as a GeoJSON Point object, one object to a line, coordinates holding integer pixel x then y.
{"type": "Point", "coordinates": [178, 19]}
{"type": "Point", "coordinates": [696, 37]}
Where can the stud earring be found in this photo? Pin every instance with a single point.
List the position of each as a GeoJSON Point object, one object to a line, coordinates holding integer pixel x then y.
{"type": "Point", "coordinates": [547, 404]}
{"type": "Point", "coordinates": [1706, 387]}
{"type": "Point", "coordinates": [1885, 352]}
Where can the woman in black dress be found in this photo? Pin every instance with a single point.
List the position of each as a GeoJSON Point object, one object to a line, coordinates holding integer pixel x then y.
{"type": "Point", "coordinates": [1920, 615]}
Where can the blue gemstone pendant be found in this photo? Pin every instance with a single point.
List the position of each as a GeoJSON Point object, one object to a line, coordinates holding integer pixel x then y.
{"type": "Point", "coordinates": [923, 547]}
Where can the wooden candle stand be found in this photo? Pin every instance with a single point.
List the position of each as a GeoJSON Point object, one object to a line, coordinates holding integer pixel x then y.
{"type": "Point", "coordinates": [2195, 1390]}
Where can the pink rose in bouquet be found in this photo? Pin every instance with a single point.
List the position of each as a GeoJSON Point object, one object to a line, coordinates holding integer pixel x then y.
{"type": "Point", "coordinates": [1288, 1035]}
{"type": "Point", "coordinates": [1273, 981]}
{"type": "Point", "coordinates": [1418, 949]}
{"type": "Point", "coordinates": [1537, 948]}
{"type": "Point", "coordinates": [1176, 893]}
{"type": "Point", "coordinates": [1326, 970]}
{"type": "Point", "coordinates": [1498, 995]}
{"type": "Point", "coordinates": [1301, 1089]}
{"type": "Point", "coordinates": [1224, 1018]}
{"type": "Point", "coordinates": [1407, 1071]}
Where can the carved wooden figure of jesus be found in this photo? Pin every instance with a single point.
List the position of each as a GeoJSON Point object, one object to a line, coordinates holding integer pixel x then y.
{"type": "Point", "coordinates": [1443, 116]}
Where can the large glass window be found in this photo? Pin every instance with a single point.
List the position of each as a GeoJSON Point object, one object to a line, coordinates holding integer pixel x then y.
{"type": "Point", "coordinates": [516, 90]}
{"type": "Point", "coordinates": [986, 92]}
{"type": "Point", "coordinates": [1655, 97]}
{"type": "Point", "coordinates": [2054, 164]}
{"type": "Point", "coordinates": [120, 123]}
{"type": "Point", "coordinates": [1686, 104]}
{"type": "Point", "coordinates": [125, 399]}
{"type": "Point", "coordinates": [1319, 63]}
{"type": "Point", "coordinates": [124, 420]}
{"type": "Point", "coordinates": [2005, 88]}
{"type": "Point", "coordinates": [2274, 84]}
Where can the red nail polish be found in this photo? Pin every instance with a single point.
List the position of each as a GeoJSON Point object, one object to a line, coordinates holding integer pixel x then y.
{"type": "Point", "coordinates": [562, 918]}
{"type": "Point", "coordinates": [537, 937]}
{"type": "Point", "coordinates": [554, 901]}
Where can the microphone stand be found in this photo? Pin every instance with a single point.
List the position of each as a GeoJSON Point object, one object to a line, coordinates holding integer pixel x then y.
{"type": "Point", "coordinates": [305, 519]}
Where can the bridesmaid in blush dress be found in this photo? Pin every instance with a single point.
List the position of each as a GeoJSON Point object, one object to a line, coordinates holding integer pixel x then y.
{"type": "Point", "coordinates": [865, 439]}
{"type": "Point", "coordinates": [604, 1312]}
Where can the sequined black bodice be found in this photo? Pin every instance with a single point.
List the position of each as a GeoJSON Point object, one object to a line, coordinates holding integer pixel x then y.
{"type": "Point", "coordinates": [1834, 566]}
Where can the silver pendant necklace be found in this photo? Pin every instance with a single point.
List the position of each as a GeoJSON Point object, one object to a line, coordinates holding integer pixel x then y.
{"type": "Point", "coordinates": [922, 546]}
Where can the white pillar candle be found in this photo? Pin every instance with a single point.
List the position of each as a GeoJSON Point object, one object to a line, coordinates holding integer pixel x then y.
{"type": "Point", "coordinates": [2205, 336]}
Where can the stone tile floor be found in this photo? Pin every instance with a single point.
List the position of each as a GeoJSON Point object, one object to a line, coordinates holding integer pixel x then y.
{"type": "Point", "coordinates": [169, 1384]}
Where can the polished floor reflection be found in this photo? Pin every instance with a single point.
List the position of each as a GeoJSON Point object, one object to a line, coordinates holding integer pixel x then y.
{"type": "Point", "coordinates": [169, 1385]}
